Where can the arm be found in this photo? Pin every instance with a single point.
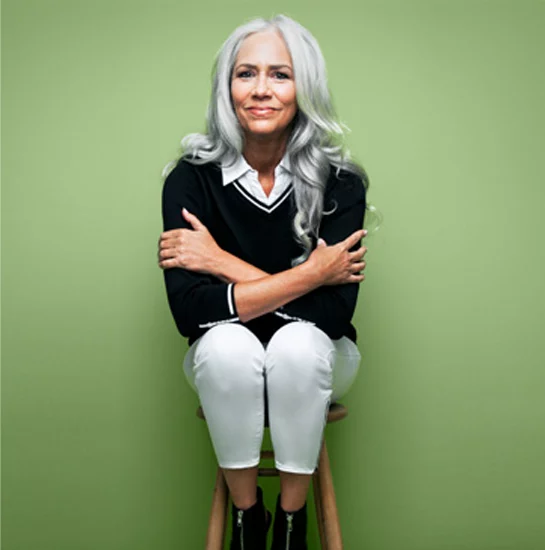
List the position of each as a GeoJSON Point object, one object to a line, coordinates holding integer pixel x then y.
{"type": "Point", "coordinates": [331, 307]}
{"type": "Point", "coordinates": [196, 300]}
{"type": "Point", "coordinates": [257, 297]}
{"type": "Point", "coordinates": [231, 269]}
{"type": "Point", "coordinates": [300, 293]}
{"type": "Point", "coordinates": [200, 300]}
{"type": "Point", "coordinates": [258, 293]}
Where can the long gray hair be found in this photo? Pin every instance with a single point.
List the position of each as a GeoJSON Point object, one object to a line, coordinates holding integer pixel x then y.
{"type": "Point", "coordinates": [316, 139]}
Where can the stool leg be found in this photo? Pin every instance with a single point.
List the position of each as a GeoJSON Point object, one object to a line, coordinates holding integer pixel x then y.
{"type": "Point", "coordinates": [329, 511]}
{"type": "Point", "coordinates": [318, 506]}
{"type": "Point", "coordinates": [218, 514]}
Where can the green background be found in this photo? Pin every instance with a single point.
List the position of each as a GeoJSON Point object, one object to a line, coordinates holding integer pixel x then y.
{"type": "Point", "coordinates": [444, 446]}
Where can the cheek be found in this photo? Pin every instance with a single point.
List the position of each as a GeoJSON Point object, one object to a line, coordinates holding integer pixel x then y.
{"type": "Point", "coordinates": [237, 94]}
{"type": "Point", "coordinates": [287, 95]}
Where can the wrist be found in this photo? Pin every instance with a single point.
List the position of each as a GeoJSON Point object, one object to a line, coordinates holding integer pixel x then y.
{"type": "Point", "coordinates": [218, 263]}
{"type": "Point", "coordinates": [311, 274]}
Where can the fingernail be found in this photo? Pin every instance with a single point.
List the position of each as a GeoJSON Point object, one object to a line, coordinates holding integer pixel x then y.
{"type": "Point", "coordinates": [365, 231]}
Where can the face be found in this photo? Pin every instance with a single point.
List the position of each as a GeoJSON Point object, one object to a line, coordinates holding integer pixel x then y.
{"type": "Point", "coordinates": [263, 86]}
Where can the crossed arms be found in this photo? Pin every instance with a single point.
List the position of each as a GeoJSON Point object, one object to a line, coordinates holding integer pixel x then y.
{"type": "Point", "coordinates": [323, 290]}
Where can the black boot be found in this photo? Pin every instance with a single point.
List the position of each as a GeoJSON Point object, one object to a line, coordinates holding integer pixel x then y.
{"type": "Point", "coordinates": [250, 526]}
{"type": "Point", "coordinates": [290, 529]}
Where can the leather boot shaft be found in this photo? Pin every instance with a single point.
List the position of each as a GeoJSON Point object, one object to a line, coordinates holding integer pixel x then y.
{"type": "Point", "coordinates": [290, 529]}
{"type": "Point", "coordinates": [249, 527]}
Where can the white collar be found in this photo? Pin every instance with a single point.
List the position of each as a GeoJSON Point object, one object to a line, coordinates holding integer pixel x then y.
{"type": "Point", "coordinates": [241, 166]}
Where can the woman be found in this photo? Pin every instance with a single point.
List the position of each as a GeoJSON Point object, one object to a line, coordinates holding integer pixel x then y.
{"type": "Point", "coordinates": [261, 279]}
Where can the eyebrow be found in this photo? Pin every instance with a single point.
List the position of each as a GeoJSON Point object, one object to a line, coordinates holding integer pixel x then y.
{"type": "Point", "coordinates": [270, 66]}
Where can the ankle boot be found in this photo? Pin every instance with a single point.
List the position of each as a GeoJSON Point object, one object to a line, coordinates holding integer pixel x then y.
{"type": "Point", "coordinates": [290, 529]}
{"type": "Point", "coordinates": [249, 527]}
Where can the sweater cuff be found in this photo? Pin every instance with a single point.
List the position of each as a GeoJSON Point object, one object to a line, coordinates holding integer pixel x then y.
{"type": "Point", "coordinates": [231, 299]}
{"type": "Point", "coordinates": [224, 310]}
{"type": "Point", "coordinates": [281, 312]}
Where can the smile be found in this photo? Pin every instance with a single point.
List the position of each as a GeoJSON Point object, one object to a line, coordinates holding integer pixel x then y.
{"type": "Point", "coordinates": [261, 112]}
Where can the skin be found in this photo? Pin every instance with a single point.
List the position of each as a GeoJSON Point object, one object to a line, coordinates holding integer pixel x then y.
{"type": "Point", "coordinates": [262, 76]}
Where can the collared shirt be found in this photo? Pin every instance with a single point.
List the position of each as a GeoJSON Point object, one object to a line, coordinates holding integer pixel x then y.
{"type": "Point", "coordinates": [245, 178]}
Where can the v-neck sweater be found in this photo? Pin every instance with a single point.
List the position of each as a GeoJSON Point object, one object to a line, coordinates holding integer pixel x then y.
{"type": "Point", "coordinates": [260, 234]}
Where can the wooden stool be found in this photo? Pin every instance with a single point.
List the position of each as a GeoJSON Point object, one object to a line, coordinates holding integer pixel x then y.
{"type": "Point", "coordinates": [324, 494]}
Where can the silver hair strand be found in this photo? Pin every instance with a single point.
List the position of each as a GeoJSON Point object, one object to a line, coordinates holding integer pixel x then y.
{"type": "Point", "coordinates": [317, 137]}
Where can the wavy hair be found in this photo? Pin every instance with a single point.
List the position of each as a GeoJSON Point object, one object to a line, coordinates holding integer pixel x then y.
{"type": "Point", "coordinates": [317, 136]}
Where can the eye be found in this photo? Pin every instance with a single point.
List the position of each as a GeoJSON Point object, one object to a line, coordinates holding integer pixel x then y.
{"type": "Point", "coordinates": [242, 73]}
{"type": "Point", "coordinates": [282, 76]}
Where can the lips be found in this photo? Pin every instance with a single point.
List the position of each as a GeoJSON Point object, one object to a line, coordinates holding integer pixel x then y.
{"type": "Point", "coordinates": [261, 110]}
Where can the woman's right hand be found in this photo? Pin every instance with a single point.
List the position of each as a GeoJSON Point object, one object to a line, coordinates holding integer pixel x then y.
{"type": "Point", "coordinates": [335, 265]}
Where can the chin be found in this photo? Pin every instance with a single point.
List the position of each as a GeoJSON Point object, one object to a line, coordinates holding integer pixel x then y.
{"type": "Point", "coordinates": [264, 128]}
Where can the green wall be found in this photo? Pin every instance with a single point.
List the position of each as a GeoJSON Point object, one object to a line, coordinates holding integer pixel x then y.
{"type": "Point", "coordinates": [444, 445]}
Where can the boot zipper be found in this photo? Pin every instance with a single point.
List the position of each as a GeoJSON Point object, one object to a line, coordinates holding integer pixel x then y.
{"type": "Point", "coordinates": [289, 517]}
{"type": "Point", "coordinates": [240, 525]}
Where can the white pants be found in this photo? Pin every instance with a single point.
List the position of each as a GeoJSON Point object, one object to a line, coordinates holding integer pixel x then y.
{"type": "Point", "coordinates": [301, 369]}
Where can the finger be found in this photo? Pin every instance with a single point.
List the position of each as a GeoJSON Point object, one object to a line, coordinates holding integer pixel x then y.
{"type": "Point", "coordinates": [167, 237]}
{"type": "Point", "coordinates": [357, 254]}
{"type": "Point", "coordinates": [162, 239]}
{"type": "Point", "coordinates": [353, 239]}
{"type": "Point", "coordinates": [358, 266]}
{"type": "Point", "coordinates": [176, 240]}
{"type": "Point", "coordinates": [354, 278]}
{"type": "Point", "coordinates": [165, 264]}
{"type": "Point", "coordinates": [170, 248]}
{"type": "Point", "coordinates": [169, 234]}
{"type": "Point", "coordinates": [167, 253]}
{"type": "Point", "coordinates": [192, 219]}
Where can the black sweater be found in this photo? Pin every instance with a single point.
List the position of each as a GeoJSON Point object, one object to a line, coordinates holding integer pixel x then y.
{"type": "Point", "coordinates": [262, 237]}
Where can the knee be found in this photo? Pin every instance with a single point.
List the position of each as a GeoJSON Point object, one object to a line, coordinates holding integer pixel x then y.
{"type": "Point", "coordinates": [228, 354]}
{"type": "Point", "coordinates": [303, 349]}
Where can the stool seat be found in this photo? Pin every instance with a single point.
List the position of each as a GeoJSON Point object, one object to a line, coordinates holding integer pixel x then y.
{"type": "Point", "coordinates": [324, 493]}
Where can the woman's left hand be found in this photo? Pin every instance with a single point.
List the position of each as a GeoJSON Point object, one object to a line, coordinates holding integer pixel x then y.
{"type": "Point", "coordinates": [193, 249]}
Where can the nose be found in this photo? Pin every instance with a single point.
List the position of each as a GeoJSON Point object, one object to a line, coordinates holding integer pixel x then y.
{"type": "Point", "coordinates": [262, 85]}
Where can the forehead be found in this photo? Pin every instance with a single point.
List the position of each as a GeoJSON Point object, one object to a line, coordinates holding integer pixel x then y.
{"type": "Point", "coordinates": [263, 48]}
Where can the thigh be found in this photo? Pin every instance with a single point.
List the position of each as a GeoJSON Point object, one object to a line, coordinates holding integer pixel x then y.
{"type": "Point", "coordinates": [346, 365]}
{"type": "Point", "coordinates": [189, 361]}
{"type": "Point", "coordinates": [223, 348]}
{"type": "Point", "coordinates": [298, 369]}
{"type": "Point", "coordinates": [301, 342]}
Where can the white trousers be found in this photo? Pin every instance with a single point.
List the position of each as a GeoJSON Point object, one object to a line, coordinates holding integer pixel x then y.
{"type": "Point", "coordinates": [302, 371]}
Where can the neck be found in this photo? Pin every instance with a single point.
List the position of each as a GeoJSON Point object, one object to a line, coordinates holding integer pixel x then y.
{"type": "Point", "coordinates": [264, 154]}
